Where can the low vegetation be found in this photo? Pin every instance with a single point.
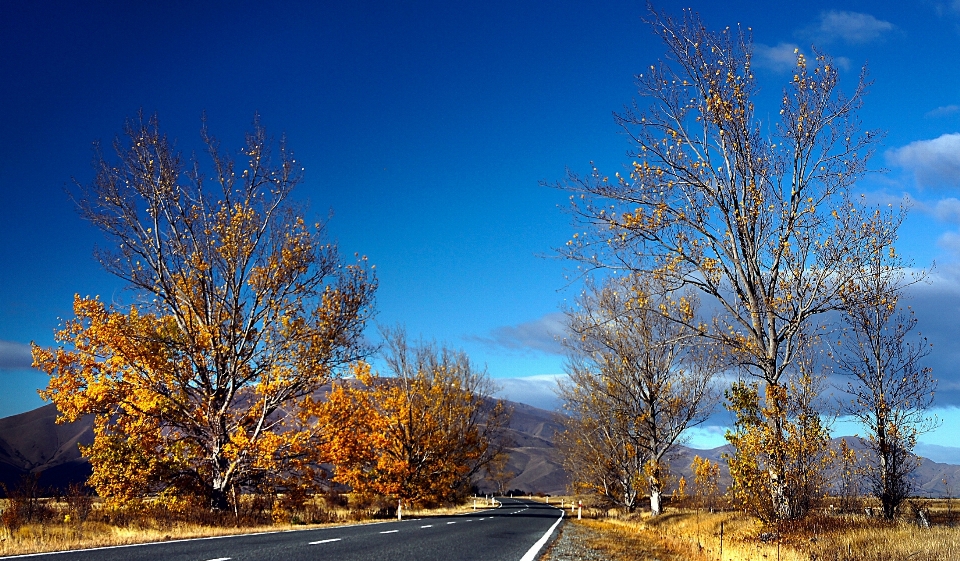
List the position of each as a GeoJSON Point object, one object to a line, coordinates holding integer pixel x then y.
{"type": "Point", "coordinates": [79, 521]}
{"type": "Point", "coordinates": [825, 534]}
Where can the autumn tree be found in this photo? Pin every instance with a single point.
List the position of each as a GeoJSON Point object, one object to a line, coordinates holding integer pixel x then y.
{"type": "Point", "coordinates": [706, 481]}
{"type": "Point", "coordinates": [635, 360]}
{"type": "Point", "coordinates": [756, 216]}
{"type": "Point", "coordinates": [244, 311]}
{"type": "Point", "coordinates": [800, 452]}
{"type": "Point", "coordinates": [596, 448]}
{"type": "Point", "coordinates": [421, 432]}
{"type": "Point", "coordinates": [889, 387]}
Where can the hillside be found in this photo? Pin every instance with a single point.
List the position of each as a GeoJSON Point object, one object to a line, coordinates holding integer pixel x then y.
{"type": "Point", "coordinates": [32, 442]}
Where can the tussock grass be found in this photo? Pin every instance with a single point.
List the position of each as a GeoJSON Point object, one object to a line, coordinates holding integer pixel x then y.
{"type": "Point", "coordinates": [822, 536]}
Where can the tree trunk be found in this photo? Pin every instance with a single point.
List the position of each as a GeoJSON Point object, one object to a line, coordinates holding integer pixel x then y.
{"type": "Point", "coordinates": [656, 498]}
{"type": "Point", "coordinates": [779, 495]}
{"type": "Point", "coordinates": [219, 500]}
{"type": "Point", "coordinates": [778, 492]}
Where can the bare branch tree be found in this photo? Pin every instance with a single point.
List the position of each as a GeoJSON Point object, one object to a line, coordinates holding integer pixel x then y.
{"type": "Point", "coordinates": [890, 388]}
{"type": "Point", "coordinates": [761, 225]}
{"type": "Point", "coordinates": [633, 357]}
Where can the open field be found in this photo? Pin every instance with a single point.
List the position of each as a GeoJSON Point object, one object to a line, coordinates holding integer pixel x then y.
{"type": "Point", "coordinates": [59, 528]}
{"type": "Point", "coordinates": [689, 534]}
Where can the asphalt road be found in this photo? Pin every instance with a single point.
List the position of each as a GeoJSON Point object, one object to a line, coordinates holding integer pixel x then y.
{"type": "Point", "coordinates": [507, 533]}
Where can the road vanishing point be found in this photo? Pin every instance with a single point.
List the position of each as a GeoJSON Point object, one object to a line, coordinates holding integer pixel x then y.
{"type": "Point", "coordinates": [516, 530]}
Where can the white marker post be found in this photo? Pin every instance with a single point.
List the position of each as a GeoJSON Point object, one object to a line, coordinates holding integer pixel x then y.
{"type": "Point", "coordinates": [399, 509]}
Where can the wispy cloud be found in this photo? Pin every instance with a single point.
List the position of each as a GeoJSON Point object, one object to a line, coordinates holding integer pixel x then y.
{"type": "Point", "coordinates": [948, 8]}
{"type": "Point", "coordinates": [934, 163]}
{"type": "Point", "coordinates": [947, 210]}
{"type": "Point", "coordinates": [781, 58]}
{"type": "Point", "coordinates": [950, 241]}
{"type": "Point", "coordinates": [542, 335]}
{"type": "Point", "coordinates": [538, 391]}
{"type": "Point", "coordinates": [850, 27]}
{"type": "Point", "coordinates": [945, 111]}
{"type": "Point", "coordinates": [15, 355]}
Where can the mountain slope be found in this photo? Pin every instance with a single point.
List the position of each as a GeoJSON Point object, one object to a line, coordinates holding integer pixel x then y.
{"type": "Point", "coordinates": [32, 442]}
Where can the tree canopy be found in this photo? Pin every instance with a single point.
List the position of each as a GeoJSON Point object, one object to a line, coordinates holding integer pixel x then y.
{"type": "Point", "coordinates": [244, 311]}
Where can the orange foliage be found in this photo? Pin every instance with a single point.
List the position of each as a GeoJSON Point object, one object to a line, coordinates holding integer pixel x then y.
{"type": "Point", "coordinates": [249, 313]}
{"type": "Point", "coordinates": [419, 435]}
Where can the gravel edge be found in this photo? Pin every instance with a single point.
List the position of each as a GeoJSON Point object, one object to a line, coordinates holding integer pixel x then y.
{"type": "Point", "coordinates": [571, 545]}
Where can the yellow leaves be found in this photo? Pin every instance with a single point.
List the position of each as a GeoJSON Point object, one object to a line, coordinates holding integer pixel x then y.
{"type": "Point", "coordinates": [416, 436]}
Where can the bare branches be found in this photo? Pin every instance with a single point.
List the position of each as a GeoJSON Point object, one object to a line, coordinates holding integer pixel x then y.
{"type": "Point", "coordinates": [246, 310]}
{"type": "Point", "coordinates": [759, 225]}
{"type": "Point", "coordinates": [638, 379]}
{"type": "Point", "coordinates": [890, 389]}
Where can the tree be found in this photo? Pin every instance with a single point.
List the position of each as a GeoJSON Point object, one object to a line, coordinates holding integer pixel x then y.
{"type": "Point", "coordinates": [761, 224]}
{"type": "Point", "coordinates": [890, 389]}
{"type": "Point", "coordinates": [596, 449]}
{"type": "Point", "coordinates": [642, 371]}
{"type": "Point", "coordinates": [420, 434]}
{"type": "Point", "coordinates": [801, 454]}
{"type": "Point", "coordinates": [244, 312]}
{"type": "Point", "coordinates": [706, 482]}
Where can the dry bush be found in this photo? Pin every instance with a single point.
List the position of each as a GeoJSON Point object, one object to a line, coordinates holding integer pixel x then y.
{"type": "Point", "coordinates": [156, 521]}
{"type": "Point", "coordinates": [25, 504]}
{"type": "Point", "coordinates": [822, 536]}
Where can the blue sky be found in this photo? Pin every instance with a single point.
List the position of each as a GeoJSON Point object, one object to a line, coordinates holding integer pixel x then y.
{"type": "Point", "coordinates": [427, 128]}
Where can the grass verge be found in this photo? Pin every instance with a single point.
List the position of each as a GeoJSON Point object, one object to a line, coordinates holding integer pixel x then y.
{"type": "Point", "coordinates": [696, 536]}
{"type": "Point", "coordinates": [64, 532]}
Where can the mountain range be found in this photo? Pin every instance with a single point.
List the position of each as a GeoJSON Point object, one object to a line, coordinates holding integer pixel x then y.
{"type": "Point", "coordinates": [32, 442]}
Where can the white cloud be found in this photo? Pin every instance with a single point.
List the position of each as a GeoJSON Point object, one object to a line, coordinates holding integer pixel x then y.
{"type": "Point", "coordinates": [934, 163]}
{"type": "Point", "coordinates": [781, 58]}
{"type": "Point", "coordinates": [15, 355]}
{"type": "Point", "coordinates": [538, 391]}
{"type": "Point", "coordinates": [850, 27]}
{"type": "Point", "coordinates": [950, 241]}
{"type": "Point", "coordinates": [951, 7]}
{"type": "Point", "coordinates": [543, 335]}
{"type": "Point", "coordinates": [706, 437]}
{"type": "Point", "coordinates": [944, 111]}
{"type": "Point", "coordinates": [947, 210]}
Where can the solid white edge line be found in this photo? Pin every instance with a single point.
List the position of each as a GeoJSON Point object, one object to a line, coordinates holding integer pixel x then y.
{"type": "Point", "coordinates": [324, 541]}
{"type": "Point", "coordinates": [531, 553]}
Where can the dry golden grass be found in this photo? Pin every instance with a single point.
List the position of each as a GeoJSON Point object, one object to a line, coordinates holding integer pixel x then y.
{"type": "Point", "coordinates": [63, 533]}
{"type": "Point", "coordinates": [695, 536]}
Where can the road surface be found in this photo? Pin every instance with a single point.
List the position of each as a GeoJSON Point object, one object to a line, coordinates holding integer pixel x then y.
{"type": "Point", "coordinates": [515, 531]}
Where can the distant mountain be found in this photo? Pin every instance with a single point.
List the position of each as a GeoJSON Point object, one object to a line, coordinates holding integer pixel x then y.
{"type": "Point", "coordinates": [534, 459]}
{"type": "Point", "coordinates": [928, 478]}
{"type": "Point", "coordinates": [32, 442]}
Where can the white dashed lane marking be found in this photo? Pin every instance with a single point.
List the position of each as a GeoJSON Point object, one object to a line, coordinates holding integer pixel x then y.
{"type": "Point", "coordinates": [390, 532]}
{"type": "Point", "coordinates": [427, 526]}
{"type": "Point", "coordinates": [220, 559]}
{"type": "Point", "coordinates": [325, 541]}
{"type": "Point", "coordinates": [451, 522]}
